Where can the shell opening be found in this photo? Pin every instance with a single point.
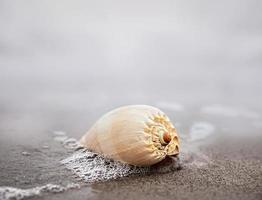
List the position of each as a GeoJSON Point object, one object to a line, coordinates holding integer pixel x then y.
{"type": "Point", "coordinates": [163, 136]}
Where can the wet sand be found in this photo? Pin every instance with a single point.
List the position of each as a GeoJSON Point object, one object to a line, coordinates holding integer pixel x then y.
{"type": "Point", "coordinates": [234, 171]}
{"type": "Point", "coordinates": [223, 164]}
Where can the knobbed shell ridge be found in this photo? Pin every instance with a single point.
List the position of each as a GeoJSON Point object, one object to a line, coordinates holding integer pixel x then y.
{"type": "Point", "coordinates": [139, 135]}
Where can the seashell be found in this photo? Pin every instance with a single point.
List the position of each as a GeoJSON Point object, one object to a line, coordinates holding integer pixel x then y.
{"type": "Point", "coordinates": [139, 135]}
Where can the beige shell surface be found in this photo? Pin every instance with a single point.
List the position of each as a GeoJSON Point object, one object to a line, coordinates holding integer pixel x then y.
{"type": "Point", "coordinates": [134, 135]}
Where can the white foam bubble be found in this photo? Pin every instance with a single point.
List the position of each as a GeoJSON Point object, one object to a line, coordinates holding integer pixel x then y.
{"type": "Point", "coordinates": [25, 153]}
{"type": "Point", "coordinates": [92, 167]}
{"type": "Point", "coordinates": [60, 138]}
{"type": "Point", "coordinates": [71, 143]}
{"type": "Point", "coordinates": [200, 130]}
{"type": "Point", "coordinates": [59, 133]}
{"type": "Point", "coordinates": [67, 142]}
{"type": "Point", "coordinates": [8, 193]}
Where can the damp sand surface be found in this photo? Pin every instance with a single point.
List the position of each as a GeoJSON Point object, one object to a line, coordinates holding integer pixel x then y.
{"type": "Point", "coordinates": [227, 169]}
{"type": "Point", "coordinates": [219, 160]}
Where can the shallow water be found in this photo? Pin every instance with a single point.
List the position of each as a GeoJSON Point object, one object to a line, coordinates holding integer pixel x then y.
{"type": "Point", "coordinates": [16, 193]}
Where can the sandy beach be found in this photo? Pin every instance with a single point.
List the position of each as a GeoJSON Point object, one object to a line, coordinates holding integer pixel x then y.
{"type": "Point", "coordinates": [223, 162]}
{"type": "Point", "coordinates": [64, 65]}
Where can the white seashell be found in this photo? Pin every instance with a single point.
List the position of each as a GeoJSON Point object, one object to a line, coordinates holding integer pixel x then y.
{"type": "Point", "coordinates": [138, 135]}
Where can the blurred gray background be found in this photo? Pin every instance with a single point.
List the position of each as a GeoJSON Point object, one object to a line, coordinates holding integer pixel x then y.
{"type": "Point", "coordinates": [64, 62]}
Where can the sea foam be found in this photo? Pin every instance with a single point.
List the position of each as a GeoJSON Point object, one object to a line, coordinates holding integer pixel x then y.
{"type": "Point", "coordinates": [12, 193]}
